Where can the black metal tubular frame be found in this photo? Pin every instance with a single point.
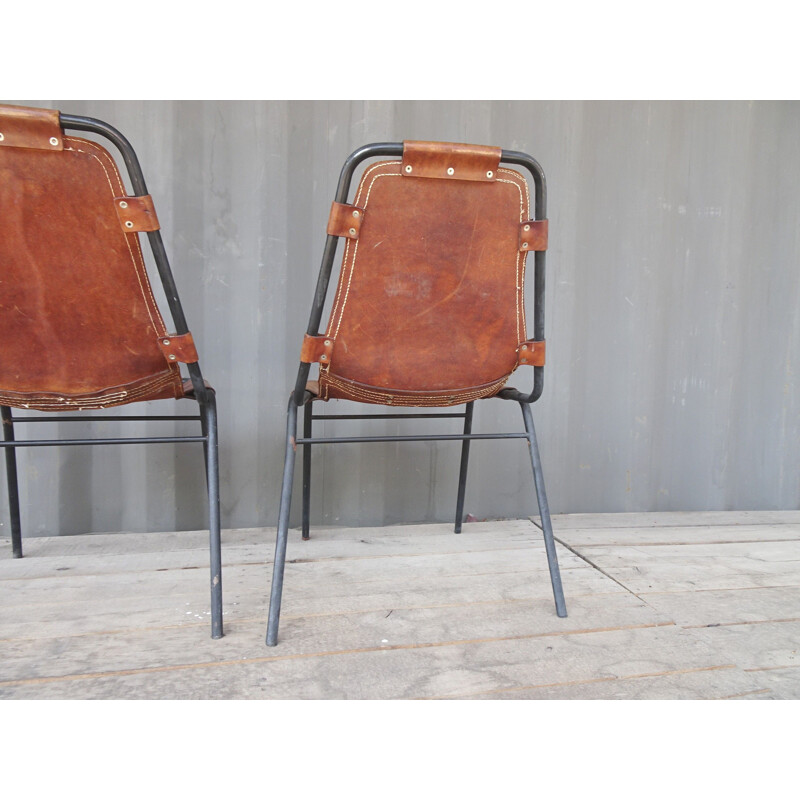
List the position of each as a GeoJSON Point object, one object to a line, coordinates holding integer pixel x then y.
{"type": "Point", "coordinates": [204, 396]}
{"type": "Point", "coordinates": [300, 396]}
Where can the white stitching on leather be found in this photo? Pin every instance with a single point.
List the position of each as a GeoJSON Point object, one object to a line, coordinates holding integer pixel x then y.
{"type": "Point", "coordinates": [140, 264]}
{"type": "Point", "coordinates": [355, 248]}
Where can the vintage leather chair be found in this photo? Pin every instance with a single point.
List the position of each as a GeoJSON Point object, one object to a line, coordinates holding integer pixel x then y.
{"type": "Point", "coordinates": [429, 309]}
{"type": "Point", "coordinates": [79, 326]}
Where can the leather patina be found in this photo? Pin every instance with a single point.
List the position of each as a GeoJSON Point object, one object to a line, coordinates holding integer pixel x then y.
{"type": "Point", "coordinates": [429, 308]}
{"type": "Point", "coordinates": [79, 325]}
{"type": "Point", "coordinates": [450, 161]}
{"type": "Point", "coordinates": [30, 128]}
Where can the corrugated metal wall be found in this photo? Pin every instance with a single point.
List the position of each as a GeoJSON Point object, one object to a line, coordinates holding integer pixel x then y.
{"type": "Point", "coordinates": [673, 328]}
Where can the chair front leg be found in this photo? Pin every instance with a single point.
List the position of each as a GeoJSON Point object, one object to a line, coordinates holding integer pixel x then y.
{"type": "Point", "coordinates": [208, 412]}
{"type": "Point", "coordinates": [544, 512]}
{"type": "Point", "coordinates": [283, 526]}
{"type": "Point", "coordinates": [13, 487]}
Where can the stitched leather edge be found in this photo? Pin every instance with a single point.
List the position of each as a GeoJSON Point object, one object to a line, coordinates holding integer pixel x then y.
{"type": "Point", "coordinates": [149, 389]}
{"type": "Point", "coordinates": [332, 386]}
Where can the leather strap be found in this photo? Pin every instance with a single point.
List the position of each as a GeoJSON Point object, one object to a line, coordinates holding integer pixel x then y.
{"type": "Point", "coordinates": [316, 348]}
{"type": "Point", "coordinates": [531, 354]}
{"type": "Point", "coordinates": [178, 348]}
{"type": "Point", "coordinates": [136, 213]}
{"type": "Point", "coordinates": [466, 162]}
{"type": "Point", "coordinates": [34, 128]}
{"type": "Point", "coordinates": [345, 220]}
{"type": "Point", "coordinates": [533, 235]}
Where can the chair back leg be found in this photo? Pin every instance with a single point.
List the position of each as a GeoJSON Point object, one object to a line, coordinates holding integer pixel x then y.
{"type": "Point", "coordinates": [544, 512]}
{"type": "Point", "coordinates": [307, 422]}
{"type": "Point", "coordinates": [13, 487]}
{"type": "Point", "coordinates": [462, 475]}
{"type": "Point", "coordinates": [283, 526]}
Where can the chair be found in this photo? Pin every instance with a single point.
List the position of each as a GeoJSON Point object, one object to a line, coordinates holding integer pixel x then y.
{"type": "Point", "coordinates": [79, 326]}
{"type": "Point", "coordinates": [429, 308]}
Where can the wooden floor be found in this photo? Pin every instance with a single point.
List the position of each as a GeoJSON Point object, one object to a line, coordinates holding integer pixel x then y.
{"type": "Point", "coordinates": [671, 605]}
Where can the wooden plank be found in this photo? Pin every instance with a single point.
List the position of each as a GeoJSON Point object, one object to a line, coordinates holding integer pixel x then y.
{"type": "Point", "coordinates": [374, 630]}
{"type": "Point", "coordinates": [726, 605]}
{"type": "Point", "coordinates": [84, 604]}
{"type": "Point", "coordinates": [442, 669]}
{"type": "Point", "coordinates": [694, 567]}
{"type": "Point", "coordinates": [333, 544]}
{"type": "Point", "coordinates": [716, 683]}
{"type": "Point", "coordinates": [776, 683]}
{"type": "Point", "coordinates": [83, 545]}
{"type": "Point", "coordinates": [632, 536]}
{"type": "Point", "coordinates": [756, 645]}
{"type": "Point", "coordinates": [642, 519]}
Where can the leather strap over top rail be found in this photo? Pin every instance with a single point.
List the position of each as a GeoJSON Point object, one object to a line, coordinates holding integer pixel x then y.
{"type": "Point", "coordinates": [33, 128]}
{"type": "Point", "coordinates": [345, 220]}
{"type": "Point", "coordinates": [178, 348]}
{"type": "Point", "coordinates": [466, 162]}
{"type": "Point", "coordinates": [136, 213]}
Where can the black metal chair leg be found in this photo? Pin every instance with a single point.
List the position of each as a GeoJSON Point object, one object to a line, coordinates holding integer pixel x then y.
{"type": "Point", "coordinates": [13, 487]}
{"type": "Point", "coordinates": [307, 470]}
{"type": "Point", "coordinates": [462, 476]}
{"type": "Point", "coordinates": [283, 527]}
{"type": "Point", "coordinates": [209, 415]}
{"type": "Point", "coordinates": [544, 512]}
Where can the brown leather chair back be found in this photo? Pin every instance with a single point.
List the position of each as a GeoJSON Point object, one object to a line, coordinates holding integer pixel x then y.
{"type": "Point", "coordinates": [79, 327]}
{"type": "Point", "coordinates": [429, 309]}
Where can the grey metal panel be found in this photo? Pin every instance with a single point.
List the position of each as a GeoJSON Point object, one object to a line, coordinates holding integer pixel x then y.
{"type": "Point", "coordinates": [673, 333]}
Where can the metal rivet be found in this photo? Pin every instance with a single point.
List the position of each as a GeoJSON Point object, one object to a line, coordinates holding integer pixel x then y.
{"type": "Point", "coordinates": [524, 347]}
{"type": "Point", "coordinates": [172, 357]}
{"type": "Point", "coordinates": [451, 171]}
{"type": "Point", "coordinates": [165, 341]}
{"type": "Point", "coordinates": [128, 224]}
{"type": "Point", "coordinates": [352, 231]}
{"type": "Point", "coordinates": [524, 245]}
{"type": "Point", "coordinates": [2, 137]}
{"type": "Point", "coordinates": [323, 357]}
{"type": "Point", "coordinates": [408, 167]}
{"type": "Point", "coordinates": [327, 343]}
{"type": "Point", "coordinates": [490, 174]}
{"type": "Point", "coordinates": [123, 204]}
{"type": "Point", "coordinates": [356, 214]}
{"type": "Point", "coordinates": [54, 141]}
{"type": "Point", "coordinates": [524, 360]}
{"type": "Point", "coordinates": [526, 228]}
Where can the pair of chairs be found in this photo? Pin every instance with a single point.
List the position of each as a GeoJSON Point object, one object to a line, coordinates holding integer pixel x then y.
{"type": "Point", "coordinates": [428, 312]}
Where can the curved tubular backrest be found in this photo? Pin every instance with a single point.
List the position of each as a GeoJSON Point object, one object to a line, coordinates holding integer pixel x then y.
{"type": "Point", "coordinates": [154, 237]}
{"type": "Point", "coordinates": [343, 188]}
